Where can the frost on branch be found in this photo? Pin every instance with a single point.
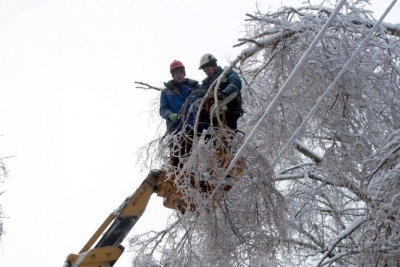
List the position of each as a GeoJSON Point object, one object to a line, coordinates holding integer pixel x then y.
{"type": "Point", "coordinates": [340, 210]}
{"type": "Point", "coordinates": [382, 186]}
{"type": "Point", "coordinates": [326, 198]}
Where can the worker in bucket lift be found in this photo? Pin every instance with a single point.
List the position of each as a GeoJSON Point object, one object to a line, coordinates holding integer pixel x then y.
{"type": "Point", "coordinates": [176, 107]}
{"type": "Point", "coordinates": [231, 84]}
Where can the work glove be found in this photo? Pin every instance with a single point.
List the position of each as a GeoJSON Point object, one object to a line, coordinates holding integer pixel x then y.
{"type": "Point", "coordinates": [174, 117]}
{"type": "Point", "coordinates": [221, 95]}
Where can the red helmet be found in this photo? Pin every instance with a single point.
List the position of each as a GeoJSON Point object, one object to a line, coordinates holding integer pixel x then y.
{"type": "Point", "coordinates": [176, 64]}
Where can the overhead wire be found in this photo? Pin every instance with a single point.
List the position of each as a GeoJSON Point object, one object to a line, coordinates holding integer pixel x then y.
{"type": "Point", "coordinates": [299, 66]}
{"type": "Point", "coordinates": [330, 88]}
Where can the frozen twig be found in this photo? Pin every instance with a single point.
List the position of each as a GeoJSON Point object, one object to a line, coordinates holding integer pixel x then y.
{"type": "Point", "coordinates": [149, 87]}
{"type": "Point", "coordinates": [286, 85]}
{"type": "Point", "coordinates": [351, 228]}
{"type": "Point", "coordinates": [330, 88]}
{"type": "Point", "coordinates": [306, 151]}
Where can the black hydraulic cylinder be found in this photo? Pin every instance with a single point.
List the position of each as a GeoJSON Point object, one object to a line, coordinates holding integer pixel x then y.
{"type": "Point", "coordinates": [117, 232]}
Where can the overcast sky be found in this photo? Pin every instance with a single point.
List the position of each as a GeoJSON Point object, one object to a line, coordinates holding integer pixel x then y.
{"type": "Point", "coordinates": [71, 116]}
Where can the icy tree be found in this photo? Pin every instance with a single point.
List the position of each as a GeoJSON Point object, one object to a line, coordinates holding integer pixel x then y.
{"type": "Point", "coordinates": [329, 198]}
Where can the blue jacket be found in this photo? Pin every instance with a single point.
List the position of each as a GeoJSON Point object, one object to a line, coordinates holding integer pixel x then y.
{"type": "Point", "coordinates": [178, 98]}
{"type": "Point", "coordinates": [230, 84]}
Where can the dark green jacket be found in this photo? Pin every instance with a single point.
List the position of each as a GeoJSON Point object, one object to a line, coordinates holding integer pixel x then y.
{"type": "Point", "coordinates": [230, 84]}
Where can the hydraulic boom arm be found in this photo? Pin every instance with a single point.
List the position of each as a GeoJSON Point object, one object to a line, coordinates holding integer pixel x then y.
{"type": "Point", "coordinates": [119, 223]}
{"type": "Point", "coordinates": [108, 249]}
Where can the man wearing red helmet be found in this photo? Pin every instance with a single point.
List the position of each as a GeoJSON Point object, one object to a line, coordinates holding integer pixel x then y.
{"type": "Point", "coordinates": [176, 108]}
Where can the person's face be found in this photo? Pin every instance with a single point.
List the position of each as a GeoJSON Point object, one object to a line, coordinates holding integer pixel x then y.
{"type": "Point", "coordinates": [179, 76]}
{"type": "Point", "coordinates": [209, 71]}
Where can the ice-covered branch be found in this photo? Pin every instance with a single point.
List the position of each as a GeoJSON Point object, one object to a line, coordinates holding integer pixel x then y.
{"type": "Point", "coordinates": [302, 62]}
{"type": "Point", "coordinates": [306, 205]}
{"type": "Point", "coordinates": [308, 152]}
{"type": "Point", "coordinates": [331, 87]}
{"type": "Point", "coordinates": [148, 86]}
{"type": "Point", "coordinates": [350, 229]}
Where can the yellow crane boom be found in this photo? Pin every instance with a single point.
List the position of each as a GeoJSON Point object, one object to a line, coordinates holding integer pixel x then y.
{"type": "Point", "coordinates": [119, 223]}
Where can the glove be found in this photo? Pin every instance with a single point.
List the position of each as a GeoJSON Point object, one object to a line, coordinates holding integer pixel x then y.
{"type": "Point", "coordinates": [221, 95]}
{"type": "Point", "coordinates": [174, 117]}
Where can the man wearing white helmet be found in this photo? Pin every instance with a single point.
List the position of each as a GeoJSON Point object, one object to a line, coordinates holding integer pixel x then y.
{"type": "Point", "coordinates": [232, 84]}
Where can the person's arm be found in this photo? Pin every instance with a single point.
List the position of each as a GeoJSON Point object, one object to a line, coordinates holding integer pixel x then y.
{"type": "Point", "coordinates": [165, 109]}
{"type": "Point", "coordinates": [234, 83]}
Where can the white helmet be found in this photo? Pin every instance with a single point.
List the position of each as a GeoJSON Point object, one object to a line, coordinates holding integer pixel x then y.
{"type": "Point", "coordinates": [207, 60]}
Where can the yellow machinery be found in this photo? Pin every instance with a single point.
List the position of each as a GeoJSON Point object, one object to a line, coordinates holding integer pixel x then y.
{"type": "Point", "coordinates": [118, 224]}
{"type": "Point", "coordinates": [108, 249]}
